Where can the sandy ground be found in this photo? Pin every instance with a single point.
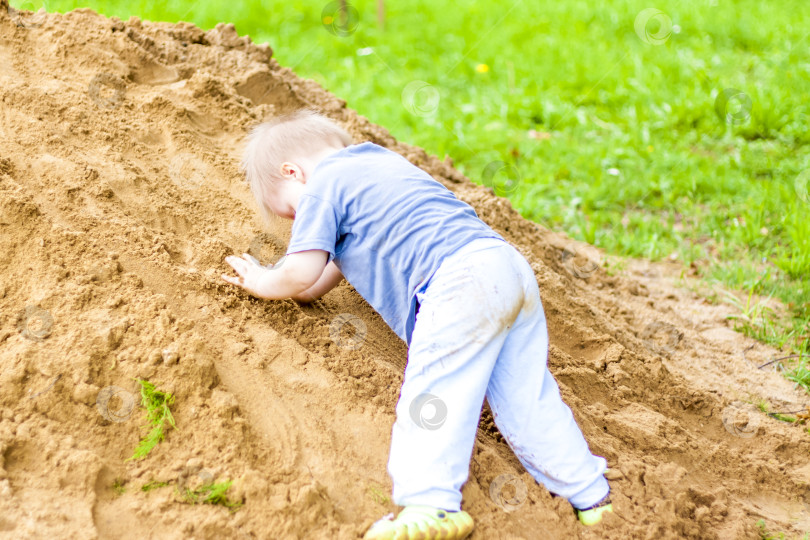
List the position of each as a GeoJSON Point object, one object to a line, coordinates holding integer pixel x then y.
{"type": "Point", "coordinates": [120, 196]}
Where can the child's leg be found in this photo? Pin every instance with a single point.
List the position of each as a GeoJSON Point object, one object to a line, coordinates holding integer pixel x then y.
{"type": "Point", "coordinates": [529, 412]}
{"type": "Point", "coordinates": [463, 319]}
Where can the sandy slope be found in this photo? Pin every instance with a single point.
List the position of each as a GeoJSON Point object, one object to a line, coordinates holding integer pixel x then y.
{"type": "Point", "coordinates": [119, 199]}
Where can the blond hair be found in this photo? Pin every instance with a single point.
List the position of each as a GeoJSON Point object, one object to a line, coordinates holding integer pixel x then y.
{"type": "Point", "coordinates": [281, 139]}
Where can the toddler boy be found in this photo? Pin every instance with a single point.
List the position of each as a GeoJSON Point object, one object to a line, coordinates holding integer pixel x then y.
{"type": "Point", "coordinates": [463, 299]}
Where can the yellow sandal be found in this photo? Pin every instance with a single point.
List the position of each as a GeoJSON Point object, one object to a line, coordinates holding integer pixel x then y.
{"type": "Point", "coordinates": [593, 514]}
{"type": "Point", "coordinates": [422, 522]}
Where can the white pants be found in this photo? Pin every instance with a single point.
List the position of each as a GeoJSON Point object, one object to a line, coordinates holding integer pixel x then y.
{"type": "Point", "coordinates": [481, 331]}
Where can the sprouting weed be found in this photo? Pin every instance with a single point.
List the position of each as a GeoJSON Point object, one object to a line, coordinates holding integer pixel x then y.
{"type": "Point", "coordinates": [377, 494]}
{"type": "Point", "coordinates": [119, 486]}
{"type": "Point", "coordinates": [765, 534]}
{"type": "Point", "coordinates": [211, 493]}
{"type": "Point", "coordinates": [154, 484]}
{"type": "Point", "coordinates": [158, 415]}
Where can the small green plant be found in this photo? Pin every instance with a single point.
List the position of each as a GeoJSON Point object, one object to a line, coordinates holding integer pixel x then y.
{"type": "Point", "coordinates": [119, 486]}
{"type": "Point", "coordinates": [765, 534]}
{"type": "Point", "coordinates": [154, 484]}
{"type": "Point", "coordinates": [614, 266]}
{"type": "Point", "coordinates": [158, 416]}
{"type": "Point", "coordinates": [800, 373]}
{"type": "Point", "coordinates": [789, 333]}
{"type": "Point", "coordinates": [755, 319]}
{"type": "Point", "coordinates": [764, 406]}
{"type": "Point", "coordinates": [377, 494]}
{"type": "Point", "coordinates": [782, 417]}
{"type": "Point", "coordinates": [211, 493]}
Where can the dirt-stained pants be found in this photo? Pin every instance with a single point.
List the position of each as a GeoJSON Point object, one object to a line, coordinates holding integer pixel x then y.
{"type": "Point", "coordinates": [481, 331]}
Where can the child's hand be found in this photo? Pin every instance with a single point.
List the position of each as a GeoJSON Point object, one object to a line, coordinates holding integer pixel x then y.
{"type": "Point", "coordinates": [250, 273]}
{"type": "Point", "coordinates": [289, 277]}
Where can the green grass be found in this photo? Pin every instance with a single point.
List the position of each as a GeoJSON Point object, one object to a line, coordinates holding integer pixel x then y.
{"type": "Point", "coordinates": [765, 534]}
{"type": "Point", "coordinates": [211, 493]}
{"type": "Point", "coordinates": [207, 493]}
{"type": "Point", "coordinates": [755, 318]}
{"type": "Point", "coordinates": [377, 494]}
{"type": "Point", "coordinates": [158, 417]}
{"type": "Point", "coordinates": [119, 486]}
{"type": "Point", "coordinates": [800, 373]}
{"type": "Point", "coordinates": [628, 150]}
{"type": "Point", "coordinates": [153, 484]}
{"type": "Point", "coordinates": [788, 417]}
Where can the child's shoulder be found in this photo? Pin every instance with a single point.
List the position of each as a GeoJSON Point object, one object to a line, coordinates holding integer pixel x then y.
{"type": "Point", "coordinates": [367, 147]}
{"type": "Point", "coordinates": [360, 154]}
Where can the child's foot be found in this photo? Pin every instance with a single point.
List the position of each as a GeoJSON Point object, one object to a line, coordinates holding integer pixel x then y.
{"type": "Point", "coordinates": [422, 522]}
{"type": "Point", "coordinates": [593, 514]}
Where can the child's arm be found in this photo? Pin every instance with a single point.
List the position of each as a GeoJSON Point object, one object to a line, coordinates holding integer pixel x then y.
{"type": "Point", "coordinates": [329, 280]}
{"type": "Point", "coordinates": [298, 273]}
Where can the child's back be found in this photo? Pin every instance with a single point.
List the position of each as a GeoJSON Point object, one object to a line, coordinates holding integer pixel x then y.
{"type": "Point", "coordinates": [387, 224]}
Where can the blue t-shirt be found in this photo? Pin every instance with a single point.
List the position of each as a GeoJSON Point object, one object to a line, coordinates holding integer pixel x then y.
{"type": "Point", "coordinates": [386, 223]}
